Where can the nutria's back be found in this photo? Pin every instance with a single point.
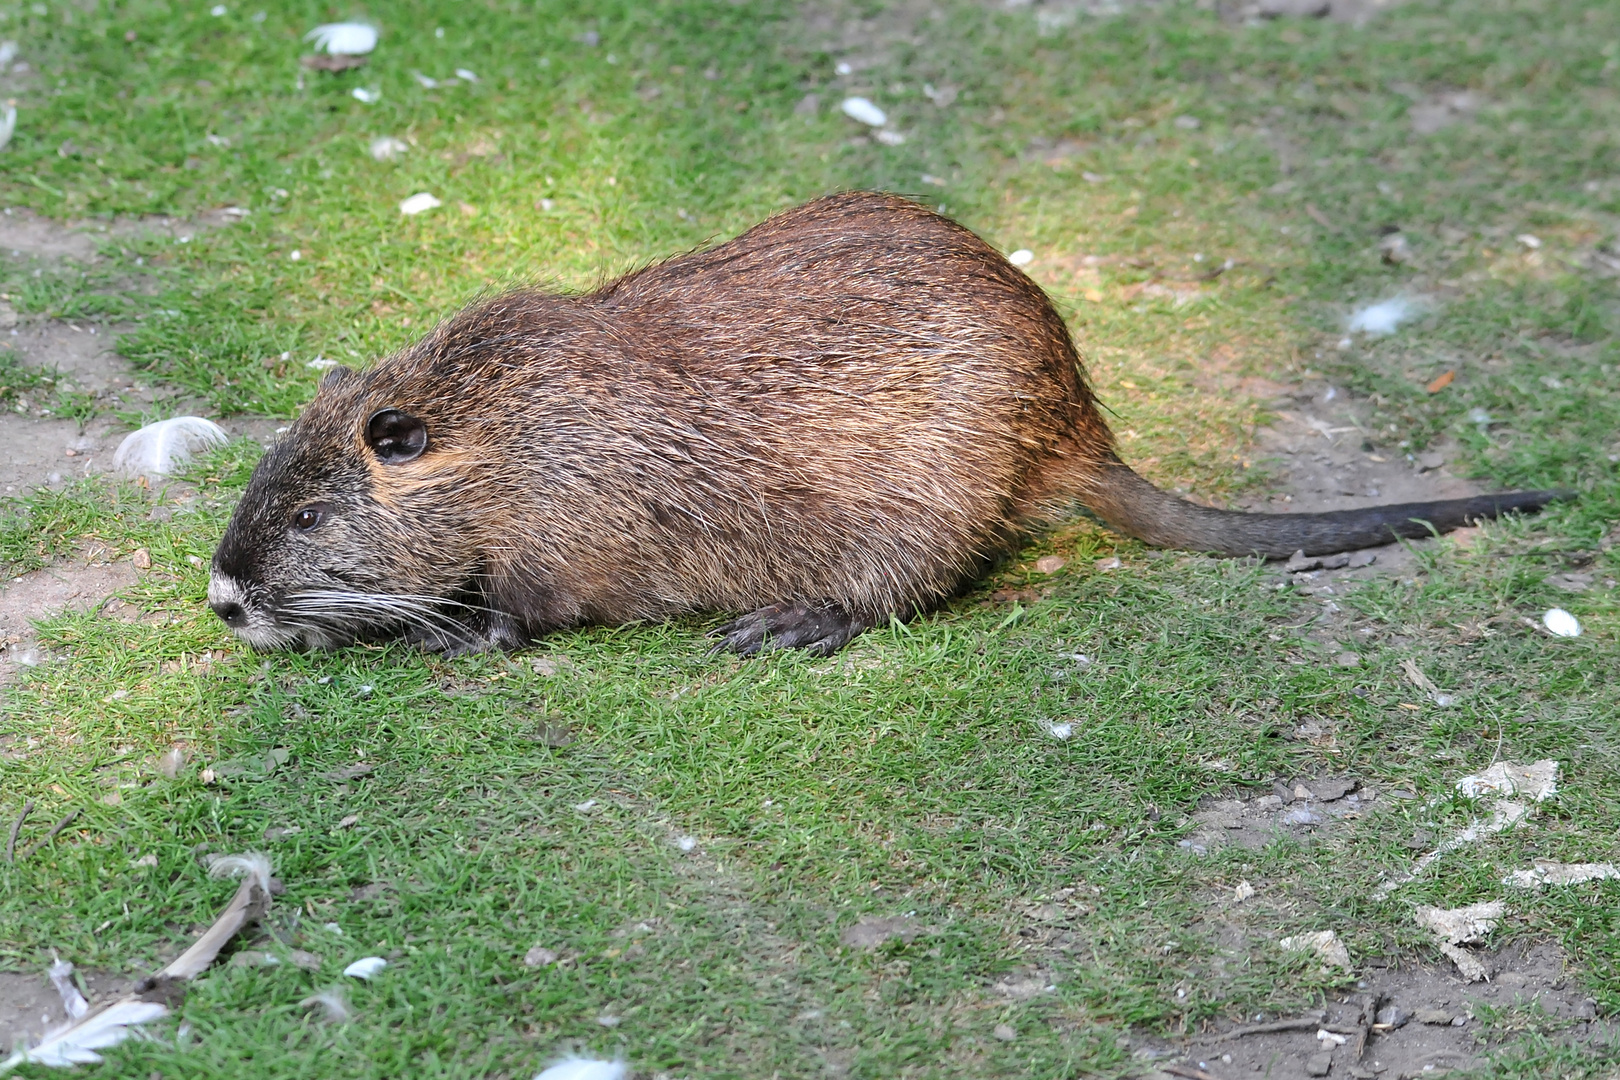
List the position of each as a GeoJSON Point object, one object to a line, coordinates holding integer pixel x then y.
{"type": "Point", "coordinates": [834, 419]}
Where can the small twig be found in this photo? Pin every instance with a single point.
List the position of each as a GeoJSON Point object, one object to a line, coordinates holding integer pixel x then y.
{"type": "Point", "coordinates": [16, 827]}
{"type": "Point", "coordinates": [1302, 1024]}
{"type": "Point", "coordinates": [48, 837]}
{"type": "Point", "coordinates": [1369, 1018]}
{"type": "Point", "coordinates": [1189, 1072]}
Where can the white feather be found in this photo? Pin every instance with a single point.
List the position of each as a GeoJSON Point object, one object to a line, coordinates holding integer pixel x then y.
{"type": "Point", "coordinates": [334, 1009]}
{"type": "Point", "coordinates": [249, 864]}
{"type": "Point", "coordinates": [77, 1043]}
{"type": "Point", "coordinates": [165, 447]}
{"type": "Point", "coordinates": [73, 1003]}
{"type": "Point", "coordinates": [347, 38]}
{"type": "Point", "coordinates": [578, 1068]}
{"type": "Point", "coordinates": [862, 109]}
{"type": "Point", "coordinates": [1382, 319]}
{"type": "Point", "coordinates": [8, 123]}
{"type": "Point", "coordinates": [365, 968]}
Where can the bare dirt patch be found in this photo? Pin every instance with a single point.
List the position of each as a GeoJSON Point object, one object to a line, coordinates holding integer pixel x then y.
{"type": "Point", "coordinates": [1325, 460]}
{"type": "Point", "coordinates": [29, 1004]}
{"type": "Point", "coordinates": [1292, 809]}
{"type": "Point", "coordinates": [1419, 1021]}
{"type": "Point", "coordinates": [74, 586]}
{"type": "Point", "coordinates": [39, 447]}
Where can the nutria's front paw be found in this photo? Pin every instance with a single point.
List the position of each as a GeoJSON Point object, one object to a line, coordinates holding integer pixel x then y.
{"type": "Point", "coordinates": [494, 632]}
{"type": "Point", "coordinates": [819, 631]}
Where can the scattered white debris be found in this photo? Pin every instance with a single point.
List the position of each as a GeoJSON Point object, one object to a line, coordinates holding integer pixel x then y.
{"type": "Point", "coordinates": [888, 137]}
{"type": "Point", "coordinates": [1382, 318]}
{"type": "Point", "coordinates": [1244, 891]}
{"type": "Point", "coordinates": [165, 447]}
{"type": "Point", "coordinates": [8, 123]}
{"type": "Point", "coordinates": [387, 148]}
{"type": "Point", "coordinates": [585, 807]}
{"type": "Point", "coordinates": [360, 93]}
{"type": "Point", "coordinates": [1021, 257]}
{"type": "Point", "coordinates": [1060, 732]}
{"type": "Point", "coordinates": [8, 52]}
{"type": "Point", "coordinates": [73, 1003]}
{"type": "Point", "coordinates": [1480, 416]}
{"type": "Point", "coordinates": [1455, 927]}
{"type": "Point", "coordinates": [1537, 781]}
{"type": "Point", "coordinates": [463, 73]}
{"type": "Point", "coordinates": [843, 68]}
{"type": "Point", "coordinates": [346, 38]}
{"type": "Point", "coordinates": [859, 108]}
{"type": "Point", "coordinates": [1529, 240]}
{"type": "Point", "coordinates": [322, 363]}
{"type": "Point", "coordinates": [365, 967]}
{"type": "Point", "coordinates": [1548, 872]}
{"type": "Point", "coordinates": [1324, 943]}
{"type": "Point", "coordinates": [218, 10]}
{"type": "Point", "coordinates": [418, 203]}
{"type": "Point", "coordinates": [686, 843]}
{"type": "Point", "coordinates": [1561, 623]}
{"type": "Point", "coordinates": [1323, 1035]}
{"type": "Point", "coordinates": [578, 1068]}
{"type": "Point", "coordinates": [428, 82]}
{"type": "Point", "coordinates": [1189, 123]}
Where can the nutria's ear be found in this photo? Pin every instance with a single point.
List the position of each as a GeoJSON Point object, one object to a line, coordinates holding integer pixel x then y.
{"type": "Point", "coordinates": [335, 376]}
{"type": "Point", "coordinates": [396, 437]}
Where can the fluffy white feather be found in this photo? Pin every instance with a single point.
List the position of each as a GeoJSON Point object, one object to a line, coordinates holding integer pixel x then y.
{"type": "Point", "coordinates": [365, 968]}
{"type": "Point", "coordinates": [77, 1043]}
{"type": "Point", "coordinates": [334, 1007]}
{"type": "Point", "coordinates": [8, 123]}
{"type": "Point", "coordinates": [73, 1003]}
{"type": "Point", "coordinates": [248, 864]}
{"type": "Point", "coordinates": [165, 447]}
{"type": "Point", "coordinates": [1384, 317]}
{"type": "Point", "coordinates": [347, 38]}
{"type": "Point", "coordinates": [578, 1068]}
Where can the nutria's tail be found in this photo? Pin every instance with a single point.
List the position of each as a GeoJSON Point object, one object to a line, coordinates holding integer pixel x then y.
{"type": "Point", "coordinates": [1135, 507]}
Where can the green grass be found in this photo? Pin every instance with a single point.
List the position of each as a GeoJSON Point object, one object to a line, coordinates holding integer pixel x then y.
{"type": "Point", "coordinates": [913, 772]}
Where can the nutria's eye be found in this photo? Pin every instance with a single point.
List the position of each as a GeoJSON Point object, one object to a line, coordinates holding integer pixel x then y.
{"type": "Point", "coordinates": [310, 516]}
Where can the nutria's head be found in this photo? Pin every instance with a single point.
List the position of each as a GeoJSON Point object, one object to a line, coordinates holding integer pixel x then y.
{"type": "Point", "coordinates": [345, 529]}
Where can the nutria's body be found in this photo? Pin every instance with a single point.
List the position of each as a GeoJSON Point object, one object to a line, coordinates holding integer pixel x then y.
{"type": "Point", "coordinates": [832, 420]}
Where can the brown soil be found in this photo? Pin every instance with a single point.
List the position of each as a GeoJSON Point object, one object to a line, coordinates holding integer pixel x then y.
{"type": "Point", "coordinates": [1432, 1016]}
{"type": "Point", "coordinates": [29, 1004]}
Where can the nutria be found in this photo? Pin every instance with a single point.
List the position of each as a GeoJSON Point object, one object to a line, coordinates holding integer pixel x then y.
{"type": "Point", "coordinates": [831, 421]}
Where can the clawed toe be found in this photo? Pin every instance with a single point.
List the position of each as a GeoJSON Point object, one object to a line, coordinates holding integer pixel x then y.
{"type": "Point", "coordinates": [818, 630]}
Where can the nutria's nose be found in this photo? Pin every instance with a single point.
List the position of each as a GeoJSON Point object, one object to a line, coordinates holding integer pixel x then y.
{"type": "Point", "coordinates": [232, 612]}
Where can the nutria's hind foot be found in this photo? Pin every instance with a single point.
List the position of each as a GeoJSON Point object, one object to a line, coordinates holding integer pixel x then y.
{"type": "Point", "coordinates": [818, 630]}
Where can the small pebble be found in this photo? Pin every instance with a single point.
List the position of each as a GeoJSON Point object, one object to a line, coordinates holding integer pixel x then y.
{"type": "Point", "coordinates": [1005, 1032]}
